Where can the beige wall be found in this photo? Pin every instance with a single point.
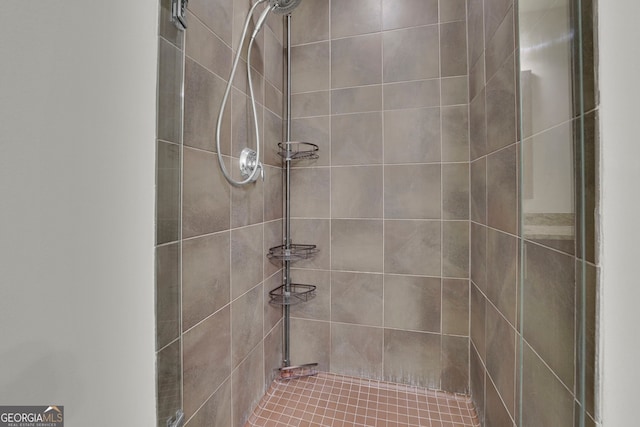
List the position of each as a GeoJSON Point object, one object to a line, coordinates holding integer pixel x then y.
{"type": "Point", "coordinates": [76, 184]}
{"type": "Point", "coordinates": [619, 91]}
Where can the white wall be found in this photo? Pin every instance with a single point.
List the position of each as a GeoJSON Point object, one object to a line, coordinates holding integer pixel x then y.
{"type": "Point", "coordinates": [77, 158]}
{"type": "Point", "coordinates": [620, 125]}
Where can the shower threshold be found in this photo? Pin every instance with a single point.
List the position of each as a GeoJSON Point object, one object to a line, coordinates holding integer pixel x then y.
{"type": "Point", "coordinates": [331, 400]}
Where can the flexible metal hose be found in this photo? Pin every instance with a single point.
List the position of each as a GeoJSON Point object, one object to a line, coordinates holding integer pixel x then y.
{"type": "Point", "coordinates": [258, 169]}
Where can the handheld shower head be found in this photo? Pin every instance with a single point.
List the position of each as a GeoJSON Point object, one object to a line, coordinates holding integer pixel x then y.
{"type": "Point", "coordinates": [283, 7]}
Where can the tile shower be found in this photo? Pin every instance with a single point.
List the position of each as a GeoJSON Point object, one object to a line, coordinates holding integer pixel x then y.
{"type": "Point", "coordinates": [413, 204]}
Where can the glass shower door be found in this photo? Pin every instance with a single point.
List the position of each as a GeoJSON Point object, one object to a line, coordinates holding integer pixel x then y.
{"type": "Point", "coordinates": [557, 192]}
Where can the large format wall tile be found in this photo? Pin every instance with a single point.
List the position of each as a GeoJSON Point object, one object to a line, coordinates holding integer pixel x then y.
{"type": "Point", "coordinates": [400, 60]}
{"type": "Point", "coordinates": [310, 67]}
{"type": "Point", "coordinates": [217, 15]}
{"type": "Point", "coordinates": [455, 364]}
{"type": "Point", "coordinates": [246, 259]}
{"type": "Point", "coordinates": [247, 386]}
{"type": "Point", "coordinates": [501, 355]}
{"type": "Point", "coordinates": [412, 303]}
{"type": "Point", "coordinates": [455, 249]}
{"type": "Point", "coordinates": [502, 272]}
{"type": "Point", "coordinates": [502, 190]}
{"type": "Point", "coordinates": [412, 191]}
{"type": "Point", "coordinates": [455, 191]}
{"type": "Point", "coordinates": [412, 136]}
{"type": "Point", "coordinates": [356, 139]}
{"type": "Point", "coordinates": [356, 350]}
{"type": "Point", "coordinates": [207, 49]}
{"type": "Point", "coordinates": [413, 247]}
{"type": "Point", "coordinates": [408, 13]}
{"type": "Point", "coordinates": [356, 298]}
{"type": "Point", "coordinates": [412, 358]}
{"type": "Point", "coordinates": [548, 401]}
{"type": "Point", "coordinates": [356, 61]}
{"type": "Point", "coordinates": [206, 195]}
{"type": "Point", "coordinates": [414, 94]}
{"type": "Point", "coordinates": [501, 107]}
{"type": "Point", "coordinates": [549, 308]}
{"type": "Point", "coordinates": [356, 245]}
{"type": "Point", "coordinates": [206, 359]}
{"type": "Point", "coordinates": [455, 306]}
{"type": "Point", "coordinates": [453, 49]}
{"type": "Point", "coordinates": [206, 277]}
{"type": "Point", "coordinates": [216, 411]}
{"type": "Point", "coordinates": [310, 340]}
{"type": "Point", "coordinates": [203, 93]}
{"type": "Point", "coordinates": [354, 17]}
{"type": "Point", "coordinates": [355, 192]}
{"type": "Point", "coordinates": [310, 23]}
{"type": "Point", "coordinates": [246, 324]}
{"type": "Point", "coordinates": [455, 129]}
{"type": "Point", "coordinates": [356, 100]}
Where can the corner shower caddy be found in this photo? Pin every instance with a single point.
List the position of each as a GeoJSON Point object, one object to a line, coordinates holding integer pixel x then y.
{"type": "Point", "coordinates": [289, 293]}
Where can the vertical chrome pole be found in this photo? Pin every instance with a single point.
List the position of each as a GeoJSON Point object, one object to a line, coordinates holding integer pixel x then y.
{"type": "Point", "coordinates": [287, 208]}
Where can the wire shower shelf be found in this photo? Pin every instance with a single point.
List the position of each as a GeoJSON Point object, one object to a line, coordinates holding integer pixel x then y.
{"type": "Point", "coordinates": [296, 150]}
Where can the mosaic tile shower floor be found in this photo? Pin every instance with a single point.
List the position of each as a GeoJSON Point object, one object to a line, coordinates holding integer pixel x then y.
{"type": "Point", "coordinates": [328, 400]}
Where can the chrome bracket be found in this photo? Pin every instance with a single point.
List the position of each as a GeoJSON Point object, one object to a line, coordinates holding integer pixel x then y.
{"type": "Point", "coordinates": [177, 420]}
{"type": "Point", "coordinates": [178, 13]}
{"type": "Point", "coordinates": [248, 163]}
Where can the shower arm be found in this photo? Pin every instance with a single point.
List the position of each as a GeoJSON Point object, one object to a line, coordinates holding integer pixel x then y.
{"type": "Point", "coordinates": [256, 166]}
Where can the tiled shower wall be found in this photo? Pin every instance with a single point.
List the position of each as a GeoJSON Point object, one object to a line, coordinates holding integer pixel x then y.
{"type": "Point", "coordinates": [550, 302]}
{"type": "Point", "coordinates": [381, 87]}
{"type": "Point", "coordinates": [218, 339]}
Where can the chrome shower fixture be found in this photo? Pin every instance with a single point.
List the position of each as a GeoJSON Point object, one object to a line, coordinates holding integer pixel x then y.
{"type": "Point", "coordinates": [282, 7]}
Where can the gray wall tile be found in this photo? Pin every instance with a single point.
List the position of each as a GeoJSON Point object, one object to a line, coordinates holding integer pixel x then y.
{"type": "Point", "coordinates": [453, 49]}
{"type": "Point", "coordinates": [310, 67]}
{"type": "Point", "coordinates": [353, 17]}
{"type": "Point", "coordinates": [206, 278]}
{"type": "Point", "coordinates": [549, 304]}
{"type": "Point", "coordinates": [246, 259]}
{"type": "Point", "coordinates": [206, 195]}
{"type": "Point", "coordinates": [455, 306]}
{"type": "Point", "coordinates": [502, 190]}
{"type": "Point", "coordinates": [206, 359]}
{"type": "Point", "coordinates": [416, 94]}
{"type": "Point", "coordinates": [356, 139]}
{"type": "Point", "coordinates": [310, 23]}
{"type": "Point", "coordinates": [455, 249]}
{"type": "Point", "coordinates": [412, 136]}
{"type": "Point", "coordinates": [246, 324]}
{"type": "Point", "coordinates": [355, 192]}
{"type": "Point", "coordinates": [356, 350]}
{"type": "Point", "coordinates": [412, 247]}
{"type": "Point", "coordinates": [412, 303]}
{"type": "Point", "coordinates": [408, 13]}
{"type": "Point", "coordinates": [412, 358]}
{"type": "Point", "coordinates": [502, 272]}
{"type": "Point", "coordinates": [356, 298]}
{"type": "Point", "coordinates": [356, 61]}
{"type": "Point", "coordinates": [455, 364]}
{"type": "Point", "coordinates": [401, 62]}
{"type": "Point", "coordinates": [356, 245]}
{"type": "Point", "coordinates": [413, 192]}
